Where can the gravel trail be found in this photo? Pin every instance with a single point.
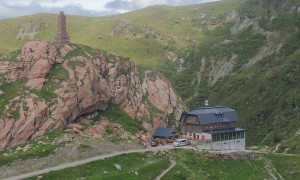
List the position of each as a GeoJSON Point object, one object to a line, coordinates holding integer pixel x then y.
{"type": "Point", "coordinates": [84, 161]}
{"type": "Point", "coordinates": [173, 163]}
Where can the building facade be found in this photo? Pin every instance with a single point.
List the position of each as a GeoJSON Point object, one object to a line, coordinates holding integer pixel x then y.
{"type": "Point", "coordinates": [213, 125]}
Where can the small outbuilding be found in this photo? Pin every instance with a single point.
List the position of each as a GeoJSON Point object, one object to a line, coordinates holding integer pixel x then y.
{"type": "Point", "coordinates": [163, 134]}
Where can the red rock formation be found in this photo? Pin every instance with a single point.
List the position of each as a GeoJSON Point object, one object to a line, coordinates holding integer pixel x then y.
{"type": "Point", "coordinates": [92, 82]}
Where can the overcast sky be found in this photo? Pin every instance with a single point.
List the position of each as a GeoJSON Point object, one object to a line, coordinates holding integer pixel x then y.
{"type": "Point", "coordinates": [15, 8]}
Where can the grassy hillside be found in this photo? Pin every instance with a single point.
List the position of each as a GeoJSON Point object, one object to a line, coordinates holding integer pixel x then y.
{"type": "Point", "coordinates": [195, 165]}
{"type": "Point", "coordinates": [190, 164]}
{"type": "Point", "coordinates": [149, 34]}
{"type": "Point", "coordinates": [133, 166]}
{"type": "Point", "coordinates": [239, 53]}
{"type": "Point", "coordinates": [35, 149]}
{"type": "Point", "coordinates": [265, 93]}
{"type": "Point", "coordinates": [250, 64]}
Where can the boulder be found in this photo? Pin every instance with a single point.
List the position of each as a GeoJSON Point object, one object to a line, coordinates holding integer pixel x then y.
{"type": "Point", "coordinates": [74, 126]}
{"type": "Point", "coordinates": [95, 131]}
{"type": "Point", "coordinates": [104, 122]}
{"type": "Point", "coordinates": [19, 149]}
{"type": "Point", "coordinates": [118, 167]}
{"type": "Point", "coordinates": [35, 83]}
{"type": "Point", "coordinates": [86, 121]}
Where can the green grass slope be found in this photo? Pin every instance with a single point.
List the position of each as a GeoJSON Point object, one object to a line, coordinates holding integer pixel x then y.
{"type": "Point", "coordinates": [133, 166]}
{"type": "Point", "coordinates": [257, 43]}
{"type": "Point", "coordinates": [190, 164]}
{"type": "Point", "coordinates": [146, 36]}
{"type": "Point", "coordinates": [195, 165]}
{"type": "Point", "coordinates": [265, 93]}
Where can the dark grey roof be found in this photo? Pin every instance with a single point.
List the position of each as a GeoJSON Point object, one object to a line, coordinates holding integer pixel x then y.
{"type": "Point", "coordinates": [217, 114]}
{"type": "Point", "coordinates": [221, 131]}
{"type": "Point", "coordinates": [163, 132]}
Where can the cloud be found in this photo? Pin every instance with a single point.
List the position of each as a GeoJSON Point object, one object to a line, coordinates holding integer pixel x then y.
{"type": "Point", "coordinates": [7, 11]}
{"type": "Point", "coordinates": [129, 5]}
{"type": "Point", "coordinates": [15, 8]}
{"type": "Point", "coordinates": [121, 4]}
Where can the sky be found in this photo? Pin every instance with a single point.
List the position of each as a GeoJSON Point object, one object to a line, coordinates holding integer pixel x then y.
{"type": "Point", "coordinates": [15, 8]}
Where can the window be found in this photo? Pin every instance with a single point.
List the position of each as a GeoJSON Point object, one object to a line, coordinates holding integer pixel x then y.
{"type": "Point", "coordinates": [230, 135]}
{"type": "Point", "coordinates": [191, 119]}
{"type": "Point", "coordinates": [214, 138]}
{"type": "Point", "coordinates": [242, 134]}
{"type": "Point", "coordinates": [224, 137]}
{"type": "Point", "coordinates": [234, 135]}
{"type": "Point", "coordinates": [238, 135]}
{"type": "Point", "coordinates": [219, 114]}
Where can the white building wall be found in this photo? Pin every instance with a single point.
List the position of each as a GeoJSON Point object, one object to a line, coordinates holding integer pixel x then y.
{"type": "Point", "coordinates": [234, 144]}
{"type": "Point", "coordinates": [198, 136]}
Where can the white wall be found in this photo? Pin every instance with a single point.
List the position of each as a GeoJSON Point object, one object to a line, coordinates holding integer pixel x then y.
{"type": "Point", "coordinates": [234, 144]}
{"type": "Point", "coordinates": [199, 136]}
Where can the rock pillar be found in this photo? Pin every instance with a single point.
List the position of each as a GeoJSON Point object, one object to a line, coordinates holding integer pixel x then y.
{"type": "Point", "coordinates": [62, 36]}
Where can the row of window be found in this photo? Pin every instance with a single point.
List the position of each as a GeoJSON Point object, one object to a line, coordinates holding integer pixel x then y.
{"type": "Point", "coordinates": [192, 119]}
{"type": "Point", "coordinates": [228, 136]}
{"type": "Point", "coordinates": [212, 127]}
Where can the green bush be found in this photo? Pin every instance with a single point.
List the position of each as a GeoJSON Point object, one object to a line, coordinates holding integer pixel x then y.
{"type": "Point", "coordinates": [116, 115]}
{"type": "Point", "coordinates": [82, 50]}
{"type": "Point", "coordinates": [109, 130]}
{"type": "Point", "coordinates": [10, 91]}
{"type": "Point", "coordinates": [84, 146]}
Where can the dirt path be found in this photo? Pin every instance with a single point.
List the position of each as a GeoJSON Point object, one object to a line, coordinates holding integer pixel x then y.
{"type": "Point", "coordinates": [103, 156]}
{"type": "Point", "coordinates": [66, 154]}
{"type": "Point", "coordinates": [84, 161]}
{"type": "Point", "coordinates": [272, 171]}
{"type": "Point", "coordinates": [173, 163]}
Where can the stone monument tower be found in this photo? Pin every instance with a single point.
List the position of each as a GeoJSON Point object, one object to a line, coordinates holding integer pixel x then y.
{"type": "Point", "coordinates": [62, 36]}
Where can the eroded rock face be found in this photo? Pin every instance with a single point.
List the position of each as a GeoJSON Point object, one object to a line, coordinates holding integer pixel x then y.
{"type": "Point", "coordinates": [84, 84]}
{"type": "Point", "coordinates": [34, 63]}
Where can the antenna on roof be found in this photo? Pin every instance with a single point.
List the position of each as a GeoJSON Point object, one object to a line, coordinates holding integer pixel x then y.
{"type": "Point", "coordinates": [206, 102]}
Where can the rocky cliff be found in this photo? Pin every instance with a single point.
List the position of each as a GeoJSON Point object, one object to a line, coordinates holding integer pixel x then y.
{"type": "Point", "coordinates": [45, 88]}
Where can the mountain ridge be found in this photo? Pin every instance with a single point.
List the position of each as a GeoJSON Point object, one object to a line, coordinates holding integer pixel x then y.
{"type": "Point", "coordinates": [242, 54]}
